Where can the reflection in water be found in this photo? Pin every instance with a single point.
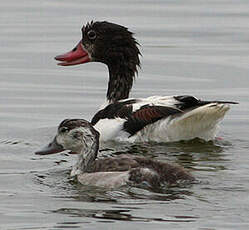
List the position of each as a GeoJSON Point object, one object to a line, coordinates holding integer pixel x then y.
{"type": "Point", "coordinates": [153, 149]}
{"type": "Point", "coordinates": [121, 201]}
{"type": "Point", "coordinates": [14, 142]}
{"type": "Point", "coordinates": [56, 180]}
{"type": "Point", "coordinates": [65, 187]}
{"type": "Point", "coordinates": [128, 194]}
{"type": "Point", "coordinates": [119, 214]}
{"type": "Point", "coordinates": [195, 154]}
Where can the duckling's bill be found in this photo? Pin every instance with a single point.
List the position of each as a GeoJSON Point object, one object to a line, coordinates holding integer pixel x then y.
{"type": "Point", "coordinates": [51, 148]}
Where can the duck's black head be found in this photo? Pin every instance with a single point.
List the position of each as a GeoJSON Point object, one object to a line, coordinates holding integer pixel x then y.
{"type": "Point", "coordinates": [113, 45]}
{"type": "Point", "coordinates": [104, 42]}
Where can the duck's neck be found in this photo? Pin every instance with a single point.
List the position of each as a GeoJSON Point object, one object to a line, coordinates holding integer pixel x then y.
{"type": "Point", "coordinates": [120, 82]}
{"type": "Point", "coordinates": [85, 162]}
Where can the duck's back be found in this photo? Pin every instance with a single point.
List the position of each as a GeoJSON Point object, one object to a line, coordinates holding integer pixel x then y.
{"type": "Point", "coordinates": [125, 168]}
{"type": "Point", "coordinates": [160, 119]}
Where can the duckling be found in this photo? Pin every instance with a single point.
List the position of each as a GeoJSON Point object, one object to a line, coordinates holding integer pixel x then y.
{"type": "Point", "coordinates": [81, 138]}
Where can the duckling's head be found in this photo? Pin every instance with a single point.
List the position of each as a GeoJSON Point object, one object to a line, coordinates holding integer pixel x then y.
{"type": "Point", "coordinates": [77, 135]}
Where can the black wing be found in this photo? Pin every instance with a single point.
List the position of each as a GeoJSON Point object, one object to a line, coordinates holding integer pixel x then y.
{"type": "Point", "coordinates": [135, 121]}
{"type": "Point", "coordinates": [117, 109]}
{"type": "Point", "coordinates": [186, 102]}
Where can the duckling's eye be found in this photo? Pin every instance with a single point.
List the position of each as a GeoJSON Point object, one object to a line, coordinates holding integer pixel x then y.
{"type": "Point", "coordinates": [63, 129]}
{"type": "Point", "coordinates": [91, 34]}
{"type": "Point", "coordinates": [77, 135]}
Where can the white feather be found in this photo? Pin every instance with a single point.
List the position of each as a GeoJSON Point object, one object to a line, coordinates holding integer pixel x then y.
{"type": "Point", "coordinates": [201, 122]}
{"type": "Point", "coordinates": [111, 129]}
{"type": "Point", "coordinates": [104, 179]}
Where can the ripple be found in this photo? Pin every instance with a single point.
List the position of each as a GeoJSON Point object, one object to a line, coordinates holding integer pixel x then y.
{"type": "Point", "coordinates": [121, 214]}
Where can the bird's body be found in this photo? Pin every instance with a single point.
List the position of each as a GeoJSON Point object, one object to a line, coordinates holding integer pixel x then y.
{"type": "Point", "coordinates": [127, 169]}
{"type": "Point", "coordinates": [82, 139]}
{"type": "Point", "coordinates": [156, 118]}
{"type": "Point", "coordinates": [159, 119]}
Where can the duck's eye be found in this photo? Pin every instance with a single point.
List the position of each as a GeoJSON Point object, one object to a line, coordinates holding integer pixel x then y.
{"type": "Point", "coordinates": [91, 34]}
{"type": "Point", "coordinates": [63, 129]}
{"type": "Point", "coordinates": [77, 134]}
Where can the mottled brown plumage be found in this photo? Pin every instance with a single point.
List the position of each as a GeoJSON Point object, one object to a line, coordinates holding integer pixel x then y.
{"type": "Point", "coordinates": [159, 172]}
{"type": "Point", "coordinates": [79, 136]}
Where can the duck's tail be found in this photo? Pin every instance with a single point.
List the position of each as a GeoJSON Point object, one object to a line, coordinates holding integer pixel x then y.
{"type": "Point", "coordinates": [200, 122]}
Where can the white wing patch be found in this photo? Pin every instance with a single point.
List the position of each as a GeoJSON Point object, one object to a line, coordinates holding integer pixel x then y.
{"type": "Point", "coordinates": [169, 101]}
{"type": "Point", "coordinates": [111, 129]}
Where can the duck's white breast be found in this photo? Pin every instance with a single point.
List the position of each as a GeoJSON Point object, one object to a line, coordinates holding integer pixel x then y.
{"type": "Point", "coordinates": [104, 179]}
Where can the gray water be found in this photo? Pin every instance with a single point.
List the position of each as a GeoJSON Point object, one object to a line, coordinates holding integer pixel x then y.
{"type": "Point", "coordinates": [189, 47]}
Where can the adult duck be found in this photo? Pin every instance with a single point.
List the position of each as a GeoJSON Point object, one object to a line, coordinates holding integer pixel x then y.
{"type": "Point", "coordinates": [156, 118]}
{"type": "Point", "coordinates": [81, 138]}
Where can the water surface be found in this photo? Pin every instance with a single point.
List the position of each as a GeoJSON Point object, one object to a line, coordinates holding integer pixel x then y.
{"type": "Point", "coordinates": [189, 47]}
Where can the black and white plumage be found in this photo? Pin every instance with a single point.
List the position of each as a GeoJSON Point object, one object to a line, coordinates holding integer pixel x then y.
{"type": "Point", "coordinates": [82, 139]}
{"type": "Point", "coordinates": [156, 118]}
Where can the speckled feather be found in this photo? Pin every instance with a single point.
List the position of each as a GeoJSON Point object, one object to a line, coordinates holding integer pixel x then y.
{"type": "Point", "coordinates": [157, 173]}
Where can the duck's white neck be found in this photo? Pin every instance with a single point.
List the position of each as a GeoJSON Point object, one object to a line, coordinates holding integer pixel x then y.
{"type": "Point", "coordinates": [86, 157]}
{"type": "Point", "coordinates": [84, 162]}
